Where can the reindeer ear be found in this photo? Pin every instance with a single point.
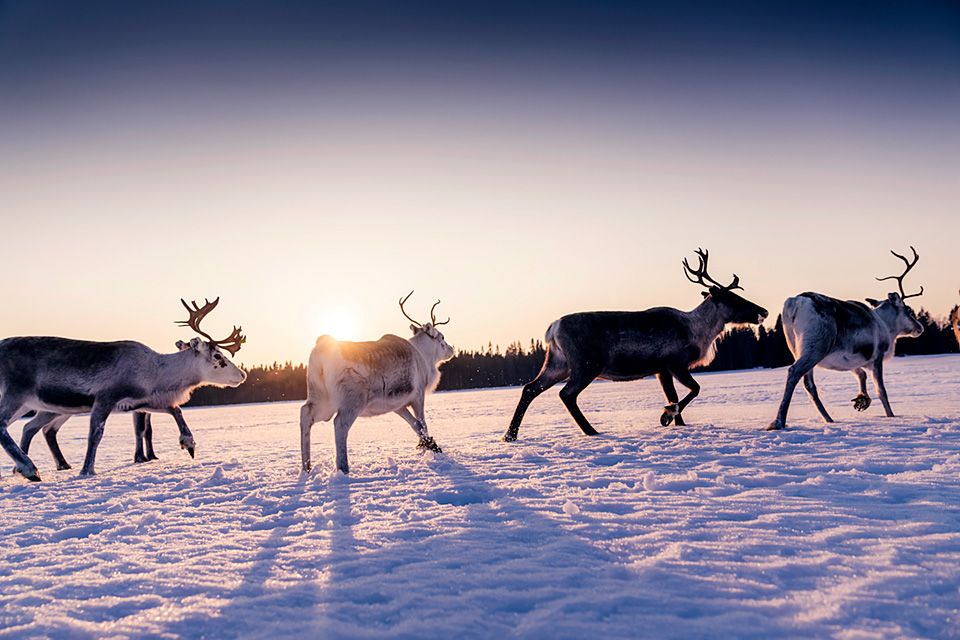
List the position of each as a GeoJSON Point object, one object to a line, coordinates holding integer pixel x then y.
{"type": "Point", "coordinates": [195, 344]}
{"type": "Point", "coordinates": [181, 345]}
{"type": "Point", "coordinates": [893, 297]}
{"type": "Point", "coordinates": [414, 328]}
{"type": "Point", "coordinates": [705, 294]}
{"type": "Point", "coordinates": [873, 303]}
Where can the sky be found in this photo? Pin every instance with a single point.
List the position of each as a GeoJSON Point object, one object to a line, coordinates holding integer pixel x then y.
{"type": "Point", "coordinates": [312, 162]}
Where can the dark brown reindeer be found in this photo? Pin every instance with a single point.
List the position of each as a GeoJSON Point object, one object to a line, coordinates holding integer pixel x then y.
{"type": "Point", "coordinates": [629, 345]}
{"type": "Point", "coordinates": [845, 335]}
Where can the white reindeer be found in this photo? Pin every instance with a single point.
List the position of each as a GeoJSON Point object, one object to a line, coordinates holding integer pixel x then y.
{"type": "Point", "coordinates": [363, 379]}
{"type": "Point", "coordinates": [845, 336]}
{"type": "Point", "coordinates": [67, 377]}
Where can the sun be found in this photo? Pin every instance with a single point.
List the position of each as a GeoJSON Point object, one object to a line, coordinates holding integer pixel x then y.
{"type": "Point", "coordinates": [342, 324]}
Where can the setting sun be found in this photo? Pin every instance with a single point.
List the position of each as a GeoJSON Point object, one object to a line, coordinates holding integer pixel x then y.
{"type": "Point", "coordinates": [342, 324]}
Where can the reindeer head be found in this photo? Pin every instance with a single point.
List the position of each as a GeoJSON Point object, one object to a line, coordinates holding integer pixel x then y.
{"type": "Point", "coordinates": [734, 309]}
{"type": "Point", "coordinates": [903, 319]}
{"type": "Point", "coordinates": [440, 349]}
{"type": "Point", "coordinates": [216, 368]}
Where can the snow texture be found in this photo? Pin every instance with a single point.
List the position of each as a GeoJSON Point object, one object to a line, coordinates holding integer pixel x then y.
{"type": "Point", "coordinates": [718, 529]}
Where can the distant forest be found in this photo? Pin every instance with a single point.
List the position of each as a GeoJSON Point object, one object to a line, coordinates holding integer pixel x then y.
{"type": "Point", "coordinates": [744, 348]}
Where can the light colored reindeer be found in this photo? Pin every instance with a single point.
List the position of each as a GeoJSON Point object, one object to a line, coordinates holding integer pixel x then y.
{"type": "Point", "coordinates": [845, 336]}
{"type": "Point", "coordinates": [362, 379]}
{"type": "Point", "coordinates": [67, 377]}
{"type": "Point", "coordinates": [629, 345]}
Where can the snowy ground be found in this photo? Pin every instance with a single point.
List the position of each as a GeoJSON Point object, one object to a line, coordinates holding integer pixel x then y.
{"type": "Point", "coordinates": [714, 530]}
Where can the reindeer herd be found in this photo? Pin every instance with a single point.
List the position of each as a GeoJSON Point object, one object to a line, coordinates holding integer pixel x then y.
{"type": "Point", "coordinates": [58, 378]}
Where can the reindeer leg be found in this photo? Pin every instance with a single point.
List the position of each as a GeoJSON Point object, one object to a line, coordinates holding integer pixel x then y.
{"type": "Point", "coordinates": [881, 390]}
{"type": "Point", "coordinates": [50, 432]}
{"type": "Point", "coordinates": [683, 377]}
{"type": "Point", "coordinates": [553, 372]}
{"type": "Point", "coordinates": [341, 427]}
{"type": "Point", "coordinates": [670, 412]}
{"type": "Point", "coordinates": [98, 417]}
{"type": "Point", "coordinates": [862, 401]}
{"type": "Point", "coordinates": [39, 421]}
{"type": "Point", "coordinates": [811, 388]}
{"type": "Point", "coordinates": [306, 424]}
{"type": "Point", "coordinates": [796, 371]}
{"type": "Point", "coordinates": [11, 408]}
{"type": "Point", "coordinates": [148, 436]}
{"type": "Point", "coordinates": [568, 395]}
{"type": "Point", "coordinates": [419, 425]}
{"type": "Point", "coordinates": [139, 429]}
{"type": "Point", "coordinates": [186, 438]}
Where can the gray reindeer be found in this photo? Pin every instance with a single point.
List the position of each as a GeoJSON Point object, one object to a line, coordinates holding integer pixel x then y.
{"type": "Point", "coordinates": [629, 345]}
{"type": "Point", "coordinates": [65, 377]}
{"type": "Point", "coordinates": [845, 335]}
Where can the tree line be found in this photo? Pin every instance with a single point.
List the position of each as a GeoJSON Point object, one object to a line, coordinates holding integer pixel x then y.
{"type": "Point", "coordinates": [742, 348]}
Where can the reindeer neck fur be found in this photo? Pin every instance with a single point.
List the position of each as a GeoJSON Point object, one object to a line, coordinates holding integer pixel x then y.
{"type": "Point", "coordinates": [706, 322]}
{"type": "Point", "coordinates": [887, 314]}
{"type": "Point", "coordinates": [427, 348]}
{"type": "Point", "coordinates": [707, 319]}
{"type": "Point", "coordinates": [180, 373]}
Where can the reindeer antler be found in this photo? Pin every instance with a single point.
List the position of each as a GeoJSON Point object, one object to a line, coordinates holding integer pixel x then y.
{"type": "Point", "coordinates": [402, 300]}
{"type": "Point", "coordinates": [899, 279]}
{"type": "Point", "coordinates": [433, 318]}
{"type": "Point", "coordinates": [231, 343]}
{"type": "Point", "coordinates": [701, 272]}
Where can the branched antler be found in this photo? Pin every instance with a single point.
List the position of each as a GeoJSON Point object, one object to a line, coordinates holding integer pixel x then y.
{"type": "Point", "coordinates": [404, 311]}
{"type": "Point", "coordinates": [433, 318]}
{"type": "Point", "coordinates": [701, 272]}
{"type": "Point", "coordinates": [899, 279]}
{"type": "Point", "coordinates": [231, 343]}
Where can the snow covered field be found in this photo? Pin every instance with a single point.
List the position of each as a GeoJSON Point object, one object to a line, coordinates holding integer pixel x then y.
{"type": "Point", "coordinates": [714, 530]}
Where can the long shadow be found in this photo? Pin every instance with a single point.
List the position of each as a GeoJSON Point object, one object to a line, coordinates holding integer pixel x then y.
{"type": "Point", "coordinates": [478, 563]}
{"type": "Point", "coordinates": [279, 595]}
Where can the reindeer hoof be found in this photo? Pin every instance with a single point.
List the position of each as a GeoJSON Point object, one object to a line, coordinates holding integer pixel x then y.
{"type": "Point", "coordinates": [669, 413]}
{"type": "Point", "coordinates": [774, 426]}
{"type": "Point", "coordinates": [428, 443]}
{"type": "Point", "coordinates": [33, 476]}
{"type": "Point", "coordinates": [509, 437]}
{"type": "Point", "coordinates": [861, 402]}
{"type": "Point", "coordinates": [63, 467]}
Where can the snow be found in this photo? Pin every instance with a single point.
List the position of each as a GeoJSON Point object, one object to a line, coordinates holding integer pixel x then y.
{"type": "Point", "coordinates": [848, 530]}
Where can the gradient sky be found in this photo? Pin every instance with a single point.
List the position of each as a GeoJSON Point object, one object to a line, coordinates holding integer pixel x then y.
{"type": "Point", "coordinates": [311, 162]}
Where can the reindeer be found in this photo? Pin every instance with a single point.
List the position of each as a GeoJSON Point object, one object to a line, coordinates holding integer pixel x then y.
{"type": "Point", "coordinates": [65, 377]}
{"type": "Point", "coordinates": [845, 336]}
{"type": "Point", "coordinates": [363, 379]}
{"type": "Point", "coordinates": [49, 423]}
{"type": "Point", "coordinates": [629, 345]}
